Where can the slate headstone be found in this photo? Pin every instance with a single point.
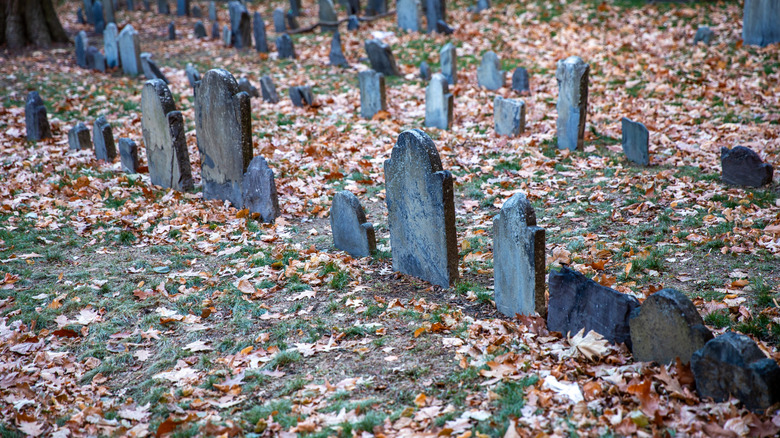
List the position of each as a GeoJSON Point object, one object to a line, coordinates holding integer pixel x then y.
{"type": "Point", "coordinates": [292, 23]}
{"type": "Point", "coordinates": [439, 103]}
{"type": "Point", "coordinates": [200, 30]}
{"type": "Point", "coordinates": [171, 31]}
{"type": "Point", "coordinates": [105, 149]}
{"type": "Point", "coordinates": [268, 89]}
{"type": "Point", "coordinates": [82, 42]}
{"type": "Point", "coordinates": [247, 87]}
{"type": "Point", "coordinates": [193, 76]}
{"type": "Point", "coordinates": [130, 51]}
{"type": "Point", "coordinates": [128, 155]}
{"type": "Point", "coordinates": [376, 7]}
{"type": "Point", "coordinates": [421, 210]}
{"type": "Point", "coordinates": [489, 73]}
{"type": "Point", "coordinates": [636, 139]}
{"type": "Point", "coordinates": [301, 95]}
{"type": "Point", "coordinates": [95, 59]}
{"type": "Point", "coordinates": [259, 190]}
{"type": "Point", "coordinates": [295, 7]}
{"type": "Point", "coordinates": [760, 22]}
{"type": "Point", "coordinates": [372, 93]}
{"type": "Point", "coordinates": [353, 23]}
{"type": "Point", "coordinates": [279, 21]}
{"type": "Point", "coordinates": [151, 71]}
{"type": "Point", "coordinates": [327, 14]}
{"type": "Point", "coordinates": [79, 138]}
{"type": "Point", "coordinates": [227, 36]}
{"type": "Point", "coordinates": [80, 16]}
{"type": "Point", "coordinates": [425, 71]}
{"type": "Point", "coordinates": [108, 12]}
{"type": "Point", "coordinates": [381, 57]}
{"type": "Point", "coordinates": [97, 14]}
{"type": "Point", "coordinates": [703, 34]}
{"type": "Point", "coordinates": [88, 9]}
{"type": "Point", "coordinates": [215, 30]}
{"type": "Point", "coordinates": [351, 231]}
{"type": "Point", "coordinates": [352, 6]}
{"type": "Point", "coordinates": [572, 75]}
{"type": "Point", "coordinates": [508, 116]}
{"type": "Point", "coordinates": [258, 27]}
{"type": "Point", "coordinates": [435, 11]}
{"type": "Point", "coordinates": [284, 47]}
{"type": "Point", "coordinates": [336, 55]}
{"type": "Point", "coordinates": [408, 13]}
{"type": "Point", "coordinates": [183, 8]}
{"type": "Point", "coordinates": [163, 8]}
{"type": "Point", "coordinates": [35, 118]}
{"type": "Point", "coordinates": [741, 166]}
{"type": "Point", "coordinates": [197, 12]}
{"type": "Point", "coordinates": [240, 25]}
{"type": "Point", "coordinates": [111, 45]}
{"type": "Point", "coordinates": [448, 58]}
{"type": "Point", "coordinates": [520, 82]}
{"type": "Point", "coordinates": [212, 11]}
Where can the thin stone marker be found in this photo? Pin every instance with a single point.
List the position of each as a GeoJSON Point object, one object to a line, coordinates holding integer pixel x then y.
{"type": "Point", "coordinates": [572, 76]}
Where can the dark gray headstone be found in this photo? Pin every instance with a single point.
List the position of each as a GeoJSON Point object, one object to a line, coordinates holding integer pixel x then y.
{"type": "Point", "coordinates": [130, 51]}
{"type": "Point", "coordinates": [88, 9]}
{"type": "Point", "coordinates": [703, 34]}
{"type": "Point", "coordinates": [128, 155]}
{"type": "Point", "coordinates": [421, 210]}
{"type": "Point", "coordinates": [301, 95]}
{"type": "Point", "coordinates": [336, 55]}
{"type": "Point", "coordinates": [105, 149]}
{"type": "Point", "coordinates": [163, 8]}
{"type": "Point", "coordinates": [435, 11]}
{"type": "Point", "coordinates": [518, 259]}
{"type": "Point", "coordinates": [572, 76]}
{"type": "Point", "coordinates": [443, 28]}
{"type": "Point", "coordinates": [408, 13]}
{"type": "Point", "coordinates": [95, 59]}
{"type": "Point", "coordinates": [215, 30]}
{"type": "Point", "coordinates": [171, 31]}
{"type": "Point", "coordinates": [636, 139]}
{"type": "Point", "coordinates": [111, 45]}
{"type": "Point", "coordinates": [183, 8]}
{"type": "Point", "coordinates": [439, 103]}
{"type": "Point", "coordinates": [280, 25]}
{"type": "Point", "coordinates": [197, 12]}
{"type": "Point", "coordinates": [508, 116]}
{"type": "Point", "coordinates": [151, 71]}
{"type": "Point", "coordinates": [327, 14]}
{"type": "Point", "coordinates": [295, 7]}
{"type": "Point", "coordinates": [376, 7]}
{"type": "Point", "coordinates": [741, 166]}
{"type": "Point", "coordinates": [425, 71]}
{"type": "Point", "coordinates": [448, 58]}
{"type": "Point", "coordinates": [292, 23]}
{"type": "Point", "coordinates": [247, 87]}
{"type": "Point", "coordinates": [200, 30]}
{"type": "Point", "coordinates": [381, 58]}
{"type": "Point", "coordinates": [353, 23]}
{"type": "Point", "coordinates": [351, 231]}
{"type": "Point", "coordinates": [732, 365]}
{"type": "Point", "coordinates": [268, 89]}
{"type": "Point", "coordinates": [163, 130]}
{"type": "Point", "coordinates": [36, 120]}
{"type": "Point", "coordinates": [284, 47]}
{"type": "Point", "coordinates": [259, 190]}
{"type": "Point", "coordinates": [82, 42]}
{"type": "Point", "coordinates": [227, 36]}
{"type": "Point", "coordinates": [352, 6]}
{"type": "Point", "coordinates": [258, 27]}
{"type": "Point", "coordinates": [108, 12]}
{"type": "Point", "coordinates": [224, 128]}
{"type": "Point", "coordinates": [760, 22]}
{"type": "Point", "coordinates": [80, 16]}
{"type": "Point", "coordinates": [489, 73]}
{"type": "Point", "coordinates": [240, 25]}
{"type": "Point", "coordinates": [212, 11]}
{"type": "Point", "coordinates": [372, 93]}
{"type": "Point", "coordinates": [520, 82]}
{"type": "Point", "coordinates": [97, 15]}
{"type": "Point", "coordinates": [665, 327]}
{"type": "Point", "coordinates": [79, 138]}
{"type": "Point", "coordinates": [577, 302]}
{"type": "Point", "coordinates": [193, 76]}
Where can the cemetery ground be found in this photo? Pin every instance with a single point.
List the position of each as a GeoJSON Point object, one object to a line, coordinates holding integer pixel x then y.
{"type": "Point", "coordinates": [129, 309]}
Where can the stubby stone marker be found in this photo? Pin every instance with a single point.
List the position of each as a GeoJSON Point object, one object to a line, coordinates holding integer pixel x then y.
{"type": "Point", "coordinates": [381, 58]}
{"type": "Point", "coordinates": [258, 28]}
{"type": "Point", "coordinates": [572, 76]}
{"type": "Point", "coordinates": [111, 46]}
{"type": "Point", "coordinates": [128, 155]}
{"type": "Point", "coordinates": [742, 166]}
{"type": "Point", "coordinates": [82, 42]}
{"type": "Point", "coordinates": [703, 34]}
{"type": "Point", "coordinates": [240, 25]}
{"type": "Point", "coordinates": [171, 31]}
{"type": "Point", "coordinates": [520, 82]}
{"type": "Point", "coordinates": [489, 73]}
{"type": "Point", "coordinates": [284, 47]}
{"type": "Point", "coordinates": [665, 327]}
{"type": "Point", "coordinates": [448, 58]}
{"type": "Point", "coordinates": [444, 28]}
{"type": "Point", "coordinates": [372, 93]}
{"type": "Point", "coordinates": [95, 59]}
{"type": "Point", "coordinates": [508, 116]}
{"type": "Point", "coordinates": [577, 302]}
{"type": "Point", "coordinates": [409, 12]}
{"type": "Point", "coordinates": [151, 71]}
{"type": "Point", "coordinates": [36, 120]}
{"type": "Point", "coordinates": [301, 95]}
{"type": "Point", "coordinates": [192, 75]}
{"type": "Point", "coordinates": [327, 14]}
{"type": "Point", "coordinates": [259, 190]}
{"type": "Point", "coordinates": [636, 139]}
{"type": "Point", "coordinates": [439, 103]}
{"type": "Point", "coordinates": [425, 71]}
{"type": "Point", "coordinates": [421, 211]}
{"type": "Point", "coordinates": [224, 128]}
{"type": "Point", "coordinates": [336, 55]}
{"type": "Point", "coordinates": [247, 87]}
{"type": "Point", "coordinates": [197, 12]}
{"type": "Point", "coordinates": [79, 138]}
{"type": "Point", "coordinates": [163, 130]}
{"type": "Point", "coordinates": [200, 30]}
{"type": "Point", "coordinates": [518, 259]}
{"type": "Point", "coordinates": [351, 231]}
{"type": "Point", "coordinates": [760, 22]}
{"type": "Point", "coordinates": [279, 21]}
{"type": "Point", "coordinates": [268, 89]}
{"type": "Point", "coordinates": [105, 149]}
{"type": "Point", "coordinates": [130, 51]}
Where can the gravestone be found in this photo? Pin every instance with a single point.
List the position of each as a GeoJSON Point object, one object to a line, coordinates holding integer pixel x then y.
{"type": "Point", "coordinates": [443, 28]}
{"type": "Point", "coordinates": [97, 14]}
{"type": "Point", "coordinates": [258, 27]}
{"type": "Point", "coordinates": [732, 365]}
{"type": "Point", "coordinates": [247, 87]}
{"type": "Point", "coordinates": [489, 73]}
{"type": "Point", "coordinates": [352, 6]}
{"type": "Point", "coordinates": [111, 45]}
{"type": "Point", "coordinates": [376, 7]}
{"type": "Point", "coordinates": [353, 23]}
{"type": "Point", "coordinates": [183, 8]}
{"type": "Point", "coordinates": [130, 51]}
{"type": "Point", "coordinates": [381, 58]}
{"type": "Point", "coordinates": [88, 8]}
{"type": "Point", "coordinates": [215, 30]}
{"type": "Point", "coordinates": [163, 8]}
{"type": "Point", "coordinates": [372, 93]}
{"type": "Point", "coordinates": [128, 155]}
{"type": "Point", "coordinates": [295, 7]}
{"type": "Point", "coordinates": [665, 327]}
{"type": "Point", "coordinates": [408, 13]}
{"type": "Point", "coordinates": [572, 75]}
{"type": "Point", "coordinates": [327, 14]}
{"type": "Point", "coordinates": [104, 140]}
{"type": "Point", "coordinates": [197, 12]}
{"type": "Point", "coordinates": [577, 302]}
{"type": "Point", "coordinates": [741, 166]}
{"type": "Point", "coordinates": [292, 23]}
{"type": "Point", "coordinates": [227, 36]}
{"type": "Point", "coordinates": [163, 130]}
{"type": "Point", "coordinates": [482, 5]}
{"type": "Point", "coordinates": [130, 5]}
{"type": "Point", "coordinates": [171, 31]}
{"type": "Point", "coordinates": [760, 22]}
{"type": "Point", "coordinates": [259, 190]}
{"type": "Point", "coordinates": [435, 11]}
{"type": "Point", "coordinates": [636, 139]}
{"type": "Point", "coordinates": [224, 128]}
{"type": "Point", "coordinates": [421, 210]}
{"type": "Point", "coordinates": [508, 116]}
{"type": "Point", "coordinates": [279, 21]}
{"type": "Point", "coordinates": [448, 58]}
{"type": "Point", "coordinates": [351, 231]}
{"type": "Point", "coordinates": [147, 6]}
{"type": "Point", "coordinates": [200, 30]}
{"type": "Point", "coordinates": [518, 259]}
{"type": "Point", "coordinates": [80, 16]}
{"type": "Point", "coordinates": [151, 71]}
{"type": "Point", "coordinates": [284, 47]}
{"type": "Point", "coordinates": [301, 96]}
{"type": "Point", "coordinates": [439, 103]}
{"type": "Point", "coordinates": [108, 12]}
{"type": "Point", "coordinates": [82, 42]}
{"type": "Point", "coordinates": [703, 34]}
{"type": "Point", "coordinates": [79, 138]}
{"type": "Point", "coordinates": [95, 59]}
{"type": "Point", "coordinates": [35, 118]}
{"type": "Point", "coordinates": [520, 82]}
{"type": "Point", "coordinates": [425, 71]}
{"type": "Point", "coordinates": [336, 55]}
{"type": "Point", "coordinates": [268, 89]}
{"type": "Point", "coordinates": [212, 11]}
{"type": "Point", "coordinates": [193, 76]}
{"type": "Point", "coordinates": [240, 25]}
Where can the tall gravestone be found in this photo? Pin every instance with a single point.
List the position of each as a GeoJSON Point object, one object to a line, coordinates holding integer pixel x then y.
{"type": "Point", "coordinates": [284, 47]}
{"type": "Point", "coordinates": [508, 116]}
{"type": "Point", "coordinates": [240, 25]}
{"type": "Point", "coordinates": [572, 76]}
{"type": "Point", "coordinates": [381, 58]}
{"type": "Point", "coordinates": [636, 139]}
{"type": "Point", "coordinates": [130, 51]}
{"type": "Point", "coordinates": [761, 22]}
{"type": "Point", "coordinates": [421, 210]}
{"type": "Point", "coordinates": [259, 190]}
{"type": "Point", "coordinates": [408, 13]}
{"type": "Point", "coordinates": [336, 55]}
{"type": "Point", "coordinates": [435, 12]}
{"type": "Point", "coordinates": [327, 14]}
{"type": "Point", "coordinates": [111, 45]}
{"type": "Point", "coordinates": [439, 103]}
{"type": "Point", "coordinates": [351, 231]}
{"type": "Point", "coordinates": [163, 130]}
{"type": "Point", "coordinates": [258, 28]}
{"type": "Point", "coordinates": [35, 118]}
{"type": "Point", "coordinates": [489, 73]}
{"type": "Point", "coordinates": [224, 128]}
{"type": "Point", "coordinates": [372, 93]}
{"type": "Point", "coordinates": [82, 42]}
{"type": "Point", "coordinates": [97, 15]}
{"type": "Point", "coordinates": [105, 149]}
{"type": "Point", "coordinates": [448, 58]}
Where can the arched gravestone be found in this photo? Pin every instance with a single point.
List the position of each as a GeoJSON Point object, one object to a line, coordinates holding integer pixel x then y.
{"type": "Point", "coordinates": [224, 129]}
{"type": "Point", "coordinates": [421, 211]}
{"type": "Point", "coordinates": [163, 129]}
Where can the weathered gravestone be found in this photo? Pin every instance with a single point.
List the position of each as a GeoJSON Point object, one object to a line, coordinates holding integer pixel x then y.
{"type": "Point", "coordinates": [508, 116]}
{"type": "Point", "coordinates": [171, 31]}
{"type": "Point", "coordinates": [353, 23]}
{"type": "Point", "coordinates": [292, 23]}
{"type": "Point", "coordinates": [258, 28]}
{"type": "Point", "coordinates": [279, 21]}
{"type": "Point", "coordinates": [327, 14]}
{"type": "Point", "coordinates": [518, 259]}
{"type": "Point", "coordinates": [130, 51]}
{"type": "Point", "coordinates": [636, 139]}
{"type": "Point", "coordinates": [742, 166]}
{"type": "Point", "coordinates": [703, 34]}
{"type": "Point", "coordinates": [489, 73]}
{"type": "Point", "coordinates": [577, 302]}
{"type": "Point", "coordinates": [200, 30]}
{"type": "Point", "coordinates": [665, 327]}
{"type": "Point", "coordinates": [448, 58]}
{"type": "Point", "coordinates": [213, 11]}
{"type": "Point", "coordinates": [35, 118]}
{"type": "Point", "coordinates": [284, 47]}
{"type": "Point", "coordinates": [82, 42]}
{"type": "Point", "coordinates": [732, 365]}
{"type": "Point", "coordinates": [193, 76]}
{"type": "Point", "coordinates": [259, 190]}
{"type": "Point", "coordinates": [247, 87]}
{"type": "Point", "coordinates": [97, 15]}
{"type": "Point", "coordinates": [183, 8]}
{"type": "Point", "coordinates": [227, 36]}
{"type": "Point", "coordinates": [128, 155]}
{"type": "Point", "coordinates": [336, 55]}
{"type": "Point", "coordinates": [79, 138]}
{"type": "Point", "coordinates": [482, 5]}
{"type": "Point", "coordinates": [197, 12]}
{"type": "Point", "coordinates": [352, 6]}
{"type": "Point", "coordinates": [111, 46]}
{"type": "Point", "coordinates": [301, 95]}
{"type": "Point", "coordinates": [88, 11]}
{"type": "Point", "coordinates": [351, 231]}
{"type": "Point", "coordinates": [95, 59]}
{"type": "Point", "coordinates": [425, 71]}
{"type": "Point", "coordinates": [520, 82]}
{"type": "Point", "coordinates": [151, 71]}
{"type": "Point", "coordinates": [105, 149]}
{"type": "Point", "coordinates": [80, 16]}
{"type": "Point", "coordinates": [761, 22]}
{"type": "Point", "coordinates": [372, 93]}
{"type": "Point", "coordinates": [268, 89]}
{"type": "Point", "coordinates": [421, 210]}
{"type": "Point", "coordinates": [224, 128]}
{"type": "Point", "coordinates": [163, 8]}
{"type": "Point", "coordinates": [215, 30]}
{"type": "Point", "coordinates": [439, 103]}
{"type": "Point", "coordinates": [240, 25]}
{"type": "Point", "coordinates": [163, 130]}
{"type": "Point", "coordinates": [572, 76]}
{"type": "Point", "coordinates": [295, 7]}
{"type": "Point", "coordinates": [108, 12]}
{"type": "Point", "coordinates": [381, 58]}
{"type": "Point", "coordinates": [435, 11]}
{"type": "Point", "coordinates": [408, 13]}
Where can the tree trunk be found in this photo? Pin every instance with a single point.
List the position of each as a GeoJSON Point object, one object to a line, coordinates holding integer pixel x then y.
{"type": "Point", "coordinates": [33, 21]}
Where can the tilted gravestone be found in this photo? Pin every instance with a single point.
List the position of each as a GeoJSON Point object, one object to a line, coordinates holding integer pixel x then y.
{"type": "Point", "coordinates": [577, 302]}
{"type": "Point", "coordinates": [489, 73]}
{"type": "Point", "coordinates": [667, 326]}
{"type": "Point", "coordinates": [268, 89]}
{"type": "Point", "coordinates": [408, 13]}
{"type": "Point", "coordinates": [279, 21]}
{"type": "Point", "coordinates": [171, 31]}
{"type": "Point", "coordinates": [79, 138]}
{"type": "Point", "coordinates": [351, 231]}
{"type": "Point", "coordinates": [439, 103]}
{"type": "Point", "coordinates": [421, 210]}
{"type": "Point", "coordinates": [520, 82]}
{"type": "Point", "coordinates": [703, 34]}
{"type": "Point", "coordinates": [128, 155]}
{"type": "Point", "coordinates": [760, 22]}
{"type": "Point", "coordinates": [381, 58]}
{"type": "Point", "coordinates": [200, 30]}
{"type": "Point", "coordinates": [183, 8]}
{"type": "Point", "coordinates": [259, 190]}
{"type": "Point", "coordinates": [425, 71]}
{"type": "Point", "coordinates": [246, 86]}
{"type": "Point", "coordinates": [572, 76]}
{"type": "Point", "coordinates": [301, 96]}
{"type": "Point", "coordinates": [224, 128]}
{"type": "Point", "coordinates": [284, 47]}
{"type": "Point", "coordinates": [327, 14]}
{"type": "Point", "coordinates": [336, 55]}
{"type": "Point", "coordinates": [97, 14]}
{"type": "Point", "coordinates": [36, 120]}
{"type": "Point", "coordinates": [741, 166]}
{"type": "Point", "coordinates": [95, 59]}
{"type": "Point", "coordinates": [636, 139]}
{"type": "Point", "coordinates": [372, 93]}
{"type": "Point", "coordinates": [732, 365]}
{"type": "Point", "coordinates": [82, 42]}
{"type": "Point", "coordinates": [508, 116]}
{"type": "Point", "coordinates": [435, 11]}
{"type": "Point", "coordinates": [258, 28]}
{"type": "Point", "coordinates": [518, 259]}
{"type": "Point", "coordinates": [111, 46]}
{"type": "Point", "coordinates": [151, 71]}
{"type": "Point", "coordinates": [240, 25]}
{"type": "Point", "coordinates": [193, 76]}
{"type": "Point", "coordinates": [130, 51]}
{"type": "Point", "coordinates": [163, 129]}
{"type": "Point", "coordinates": [448, 58]}
{"type": "Point", "coordinates": [105, 149]}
